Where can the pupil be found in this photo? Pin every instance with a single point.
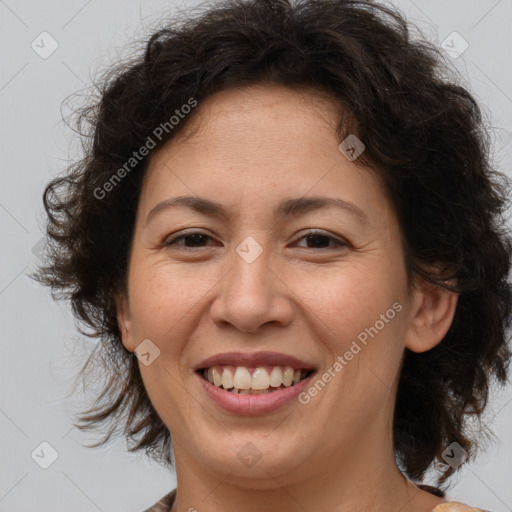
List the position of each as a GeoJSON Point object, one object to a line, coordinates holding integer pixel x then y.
{"type": "Point", "coordinates": [316, 237]}
{"type": "Point", "coordinates": [196, 238]}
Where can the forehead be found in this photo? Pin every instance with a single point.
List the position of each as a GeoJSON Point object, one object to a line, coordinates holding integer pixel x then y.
{"type": "Point", "coordinates": [268, 100]}
{"type": "Point", "coordinates": [254, 127]}
{"type": "Point", "coordinates": [255, 119]}
{"type": "Point", "coordinates": [258, 143]}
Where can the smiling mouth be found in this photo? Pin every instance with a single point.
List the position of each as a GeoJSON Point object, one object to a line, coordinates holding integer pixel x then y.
{"type": "Point", "coordinates": [240, 380]}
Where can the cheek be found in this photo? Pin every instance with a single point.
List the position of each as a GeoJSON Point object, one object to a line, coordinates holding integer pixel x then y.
{"type": "Point", "coordinates": [162, 296]}
{"type": "Point", "coordinates": [348, 300]}
{"type": "Point", "coordinates": [360, 312]}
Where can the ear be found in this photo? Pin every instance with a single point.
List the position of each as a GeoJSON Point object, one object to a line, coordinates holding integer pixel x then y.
{"type": "Point", "coordinates": [433, 309]}
{"type": "Point", "coordinates": [124, 322]}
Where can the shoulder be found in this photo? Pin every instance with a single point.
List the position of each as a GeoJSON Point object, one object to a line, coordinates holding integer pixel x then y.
{"type": "Point", "coordinates": [454, 506]}
{"type": "Point", "coordinates": [164, 504]}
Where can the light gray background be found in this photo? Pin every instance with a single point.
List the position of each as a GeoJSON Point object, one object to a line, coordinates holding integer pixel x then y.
{"type": "Point", "coordinates": [38, 337]}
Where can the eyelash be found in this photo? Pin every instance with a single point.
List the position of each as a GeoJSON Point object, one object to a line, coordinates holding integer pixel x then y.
{"type": "Point", "coordinates": [337, 243]}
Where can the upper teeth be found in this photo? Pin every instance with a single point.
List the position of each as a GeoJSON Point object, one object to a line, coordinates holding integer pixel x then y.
{"type": "Point", "coordinates": [262, 377]}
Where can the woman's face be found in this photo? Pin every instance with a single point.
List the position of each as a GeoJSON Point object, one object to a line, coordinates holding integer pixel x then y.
{"type": "Point", "coordinates": [251, 280]}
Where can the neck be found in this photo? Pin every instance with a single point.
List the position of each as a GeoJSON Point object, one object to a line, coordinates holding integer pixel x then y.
{"type": "Point", "coordinates": [338, 483]}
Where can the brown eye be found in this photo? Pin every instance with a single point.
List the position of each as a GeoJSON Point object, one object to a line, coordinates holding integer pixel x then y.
{"type": "Point", "coordinates": [191, 240]}
{"type": "Point", "coordinates": [320, 240]}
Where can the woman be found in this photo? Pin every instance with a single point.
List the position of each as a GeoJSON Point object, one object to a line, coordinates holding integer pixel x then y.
{"type": "Point", "coordinates": [288, 235]}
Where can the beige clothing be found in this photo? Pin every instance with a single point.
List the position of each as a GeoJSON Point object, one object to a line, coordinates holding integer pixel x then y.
{"type": "Point", "coordinates": [452, 506]}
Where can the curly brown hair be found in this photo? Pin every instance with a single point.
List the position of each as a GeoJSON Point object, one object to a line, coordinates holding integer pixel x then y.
{"type": "Point", "coordinates": [424, 135]}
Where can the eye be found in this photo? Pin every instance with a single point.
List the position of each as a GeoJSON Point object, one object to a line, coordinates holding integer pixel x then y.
{"type": "Point", "coordinates": [194, 238]}
{"type": "Point", "coordinates": [319, 240]}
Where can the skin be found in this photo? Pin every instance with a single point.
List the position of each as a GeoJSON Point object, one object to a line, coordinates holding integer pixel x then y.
{"type": "Point", "coordinates": [249, 149]}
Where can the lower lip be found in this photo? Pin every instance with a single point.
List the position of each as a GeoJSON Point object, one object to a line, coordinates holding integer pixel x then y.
{"type": "Point", "coordinates": [250, 405]}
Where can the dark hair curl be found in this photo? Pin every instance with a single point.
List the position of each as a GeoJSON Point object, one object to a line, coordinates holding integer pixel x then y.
{"type": "Point", "coordinates": [424, 136]}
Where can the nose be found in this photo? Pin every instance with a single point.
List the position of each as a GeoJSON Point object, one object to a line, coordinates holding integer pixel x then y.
{"type": "Point", "coordinates": [251, 294]}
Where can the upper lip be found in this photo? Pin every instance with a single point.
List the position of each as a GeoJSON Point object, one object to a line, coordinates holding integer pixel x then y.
{"type": "Point", "coordinates": [255, 359]}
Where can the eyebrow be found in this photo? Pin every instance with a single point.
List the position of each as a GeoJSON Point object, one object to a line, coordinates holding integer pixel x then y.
{"type": "Point", "coordinates": [287, 208]}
